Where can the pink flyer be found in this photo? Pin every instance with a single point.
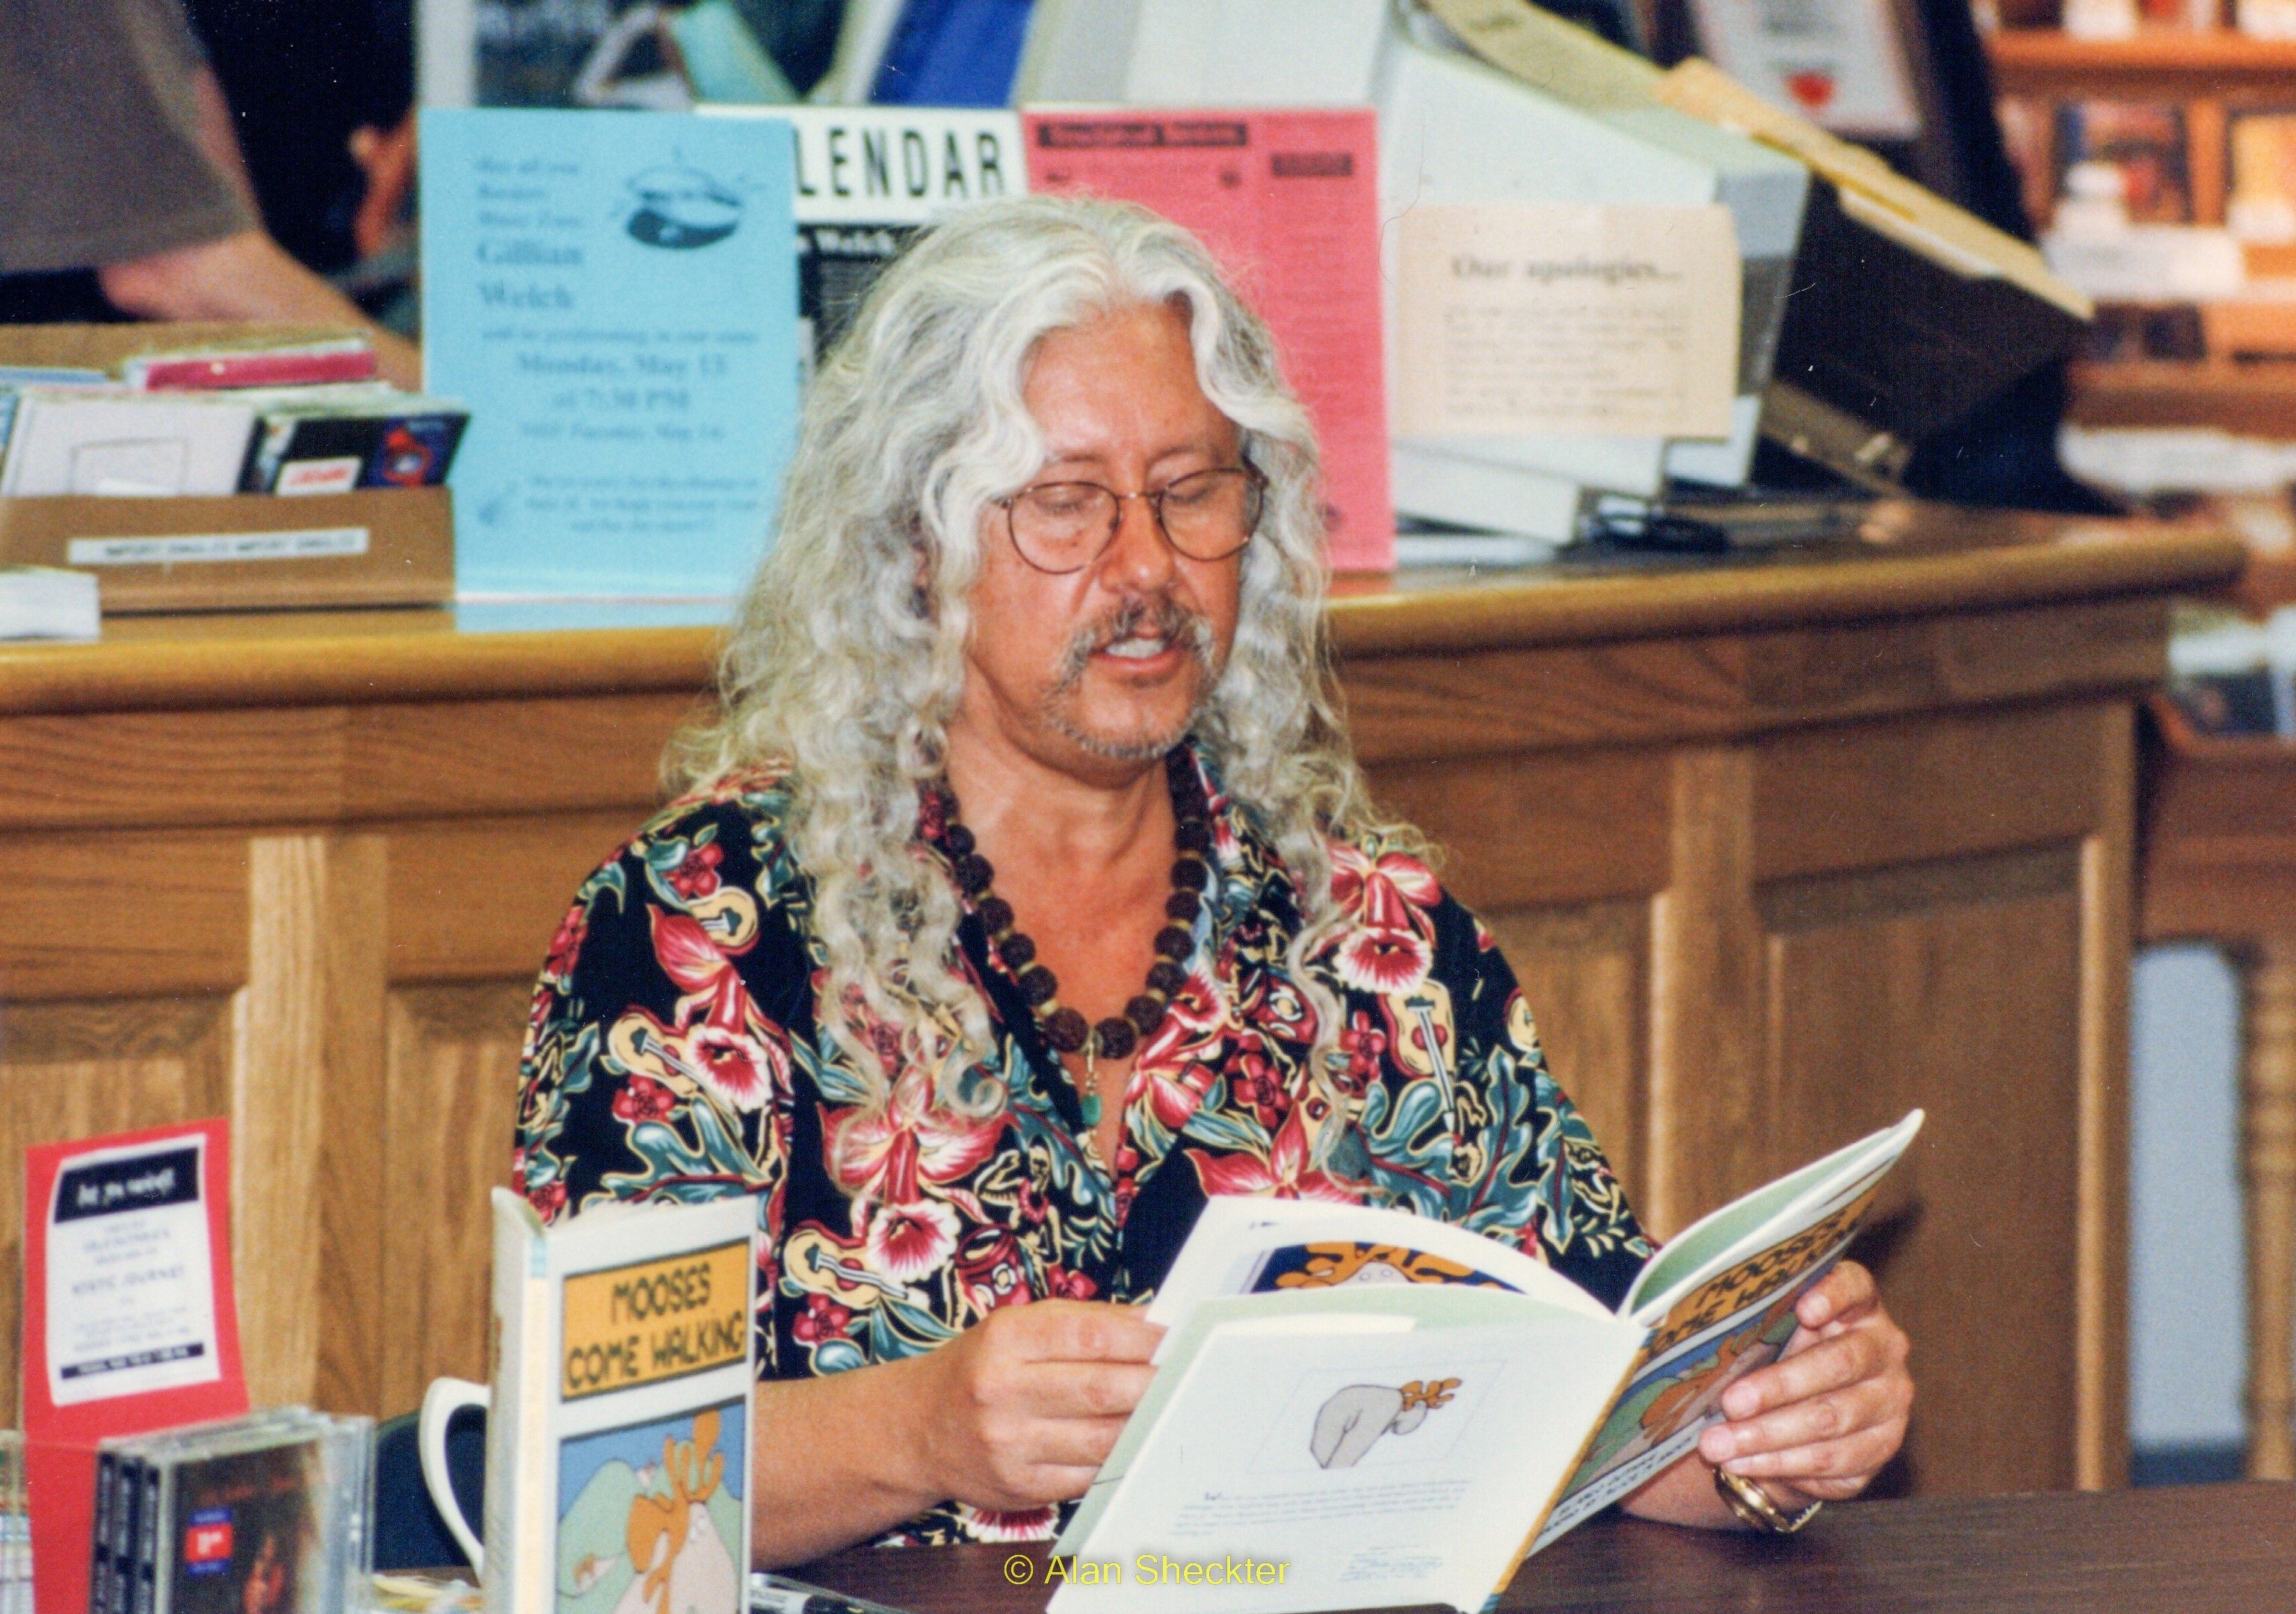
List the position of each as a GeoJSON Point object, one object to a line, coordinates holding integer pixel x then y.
{"type": "Point", "coordinates": [1288, 203]}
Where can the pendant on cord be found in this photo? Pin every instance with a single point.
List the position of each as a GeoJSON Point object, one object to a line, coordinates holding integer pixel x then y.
{"type": "Point", "coordinates": [1066, 1030]}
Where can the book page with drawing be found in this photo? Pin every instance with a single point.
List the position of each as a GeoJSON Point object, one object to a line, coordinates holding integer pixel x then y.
{"type": "Point", "coordinates": [1304, 1337]}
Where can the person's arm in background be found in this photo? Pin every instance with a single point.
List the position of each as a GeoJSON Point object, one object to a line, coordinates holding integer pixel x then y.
{"type": "Point", "coordinates": [245, 275]}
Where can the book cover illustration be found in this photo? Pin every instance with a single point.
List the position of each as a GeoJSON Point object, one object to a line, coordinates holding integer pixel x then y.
{"type": "Point", "coordinates": [1331, 1263]}
{"type": "Point", "coordinates": [2261, 208]}
{"type": "Point", "coordinates": [2143, 141]}
{"type": "Point", "coordinates": [1723, 1329]}
{"type": "Point", "coordinates": [650, 1516]}
{"type": "Point", "coordinates": [246, 1534]}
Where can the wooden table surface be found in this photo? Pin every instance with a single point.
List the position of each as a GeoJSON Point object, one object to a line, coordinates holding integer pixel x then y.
{"type": "Point", "coordinates": [2197, 1550]}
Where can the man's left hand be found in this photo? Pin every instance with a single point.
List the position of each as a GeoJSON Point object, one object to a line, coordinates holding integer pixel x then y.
{"type": "Point", "coordinates": [1818, 1424]}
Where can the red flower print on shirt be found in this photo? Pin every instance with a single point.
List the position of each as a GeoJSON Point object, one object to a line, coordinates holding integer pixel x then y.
{"type": "Point", "coordinates": [718, 1041]}
{"type": "Point", "coordinates": [886, 1156]}
{"type": "Point", "coordinates": [566, 947]}
{"type": "Point", "coordinates": [1255, 1080]}
{"type": "Point", "coordinates": [822, 1320]}
{"type": "Point", "coordinates": [906, 1242]}
{"type": "Point", "coordinates": [1061, 1284]}
{"type": "Point", "coordinates": [644, 1099]}
{"type": "Point", "coordinates": [1284, 1173]}
{"type": "Point", "coordinates": [1364, 1043]}
{"type": "Point", "coordinates": [696, 873]}
{"type": "Point", "coordinates": [1177, 1064]}
{"type": "Point", "coordinates": [987, 1524]}
{"type": "Point", "coordinates": [1391, 945]}
{"type": "Point", "coordinates": [988, 1270]}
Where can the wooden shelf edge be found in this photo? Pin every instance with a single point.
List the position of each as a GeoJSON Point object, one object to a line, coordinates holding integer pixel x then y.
{"type": "Point", "coordinates": [2164, 61]}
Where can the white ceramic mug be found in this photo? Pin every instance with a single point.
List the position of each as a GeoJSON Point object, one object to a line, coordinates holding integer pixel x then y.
{"type": "Point", "coordinates": [440, 1403]}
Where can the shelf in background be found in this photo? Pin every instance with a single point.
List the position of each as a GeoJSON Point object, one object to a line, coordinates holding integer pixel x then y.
{"type": "Point", "coordinates": [2255, 399]}
{"type": "Point", "coordinates": [2163, 65]}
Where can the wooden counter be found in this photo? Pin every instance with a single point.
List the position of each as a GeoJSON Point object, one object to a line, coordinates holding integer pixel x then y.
{"type": "Point", "coordinates": [1780, 848]}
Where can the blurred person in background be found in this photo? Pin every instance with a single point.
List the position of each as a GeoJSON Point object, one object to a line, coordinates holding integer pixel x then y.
{"type": "Point", "coordinates": [123, 191]}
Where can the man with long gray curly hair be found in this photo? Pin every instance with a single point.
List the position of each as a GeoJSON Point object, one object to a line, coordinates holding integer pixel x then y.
{"type": "Point", "coordinates": [1025, 894]}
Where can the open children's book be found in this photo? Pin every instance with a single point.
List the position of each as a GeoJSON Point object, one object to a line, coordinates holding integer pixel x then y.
{"type": "Point", "coordinates": [1358, 1408]}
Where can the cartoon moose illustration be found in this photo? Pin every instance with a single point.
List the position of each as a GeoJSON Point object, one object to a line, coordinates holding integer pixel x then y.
{"type": "Point", "coordinates": [681, 1563]}
{"type": "Point", "coordinates": [1351, 1422]}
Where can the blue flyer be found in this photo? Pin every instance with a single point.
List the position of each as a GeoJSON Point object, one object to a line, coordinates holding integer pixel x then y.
{"type": "Point", "coordinates": [613, 296]}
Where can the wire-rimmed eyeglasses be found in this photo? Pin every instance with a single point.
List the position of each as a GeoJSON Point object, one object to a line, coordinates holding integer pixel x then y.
{"type": "Point", "coordinates": [1063, 527]}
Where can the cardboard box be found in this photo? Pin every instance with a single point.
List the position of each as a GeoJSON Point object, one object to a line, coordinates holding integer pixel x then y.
{"type": "Point", "coordinates": [241, 552]}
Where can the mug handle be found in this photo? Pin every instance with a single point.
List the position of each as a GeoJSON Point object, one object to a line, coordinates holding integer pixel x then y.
{"type": "Point", "coordinates": [440, 1403]}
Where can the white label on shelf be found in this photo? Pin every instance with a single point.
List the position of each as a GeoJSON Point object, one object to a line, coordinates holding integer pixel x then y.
{"type": "Point", "coordinates": [177, 549]}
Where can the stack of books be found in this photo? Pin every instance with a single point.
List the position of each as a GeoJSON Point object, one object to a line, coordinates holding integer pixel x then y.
{"type": "Point", "coordinates": [298, 419]}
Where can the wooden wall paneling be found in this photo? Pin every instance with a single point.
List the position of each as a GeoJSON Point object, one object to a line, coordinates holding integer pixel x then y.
{"type": "Point", "coordinates": [1414, 707]}
{"type": "Point", "coordinates": [2108, 919]}
{"type": "Point", "coordinates": [353, 1176]}
{"type": "Point", "coordinates": [1709, 1133]}
{"type": "Point", "coordinates": [453, 758]}
{"type": "Point", "coordinates": [74, 1070]}
{"type": "Point", "coordinates": [305, 1071]}
{"type": "Point", "coordinates": [1843, 670]}
{"type": "Point", "coordinates": [121, 914]}
{"type": "Point", "coordinates": [479, 899]}
{"type": "Point", "coordinates": [1886, 990]}
{"type": "Point", "coordinates": [452, 1110]}
{"type": "Point", "coordinates": [1584, 971]}
{"type": "Point", "coordinates": [273, 766]}
{"type": "Point", "coordinates": [1540, 827]}
{"type": "Point", "coordinates": [1866, 795]}
{"type": "Point", "coordinates": [1726, 685]}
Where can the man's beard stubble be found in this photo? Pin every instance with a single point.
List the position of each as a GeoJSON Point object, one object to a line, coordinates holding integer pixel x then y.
{"type": "Point", "coordinates": [1168, 620]}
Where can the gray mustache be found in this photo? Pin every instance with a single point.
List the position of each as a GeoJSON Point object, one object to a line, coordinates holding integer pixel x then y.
{"type": "Point", "coordinates": [1161, 617]}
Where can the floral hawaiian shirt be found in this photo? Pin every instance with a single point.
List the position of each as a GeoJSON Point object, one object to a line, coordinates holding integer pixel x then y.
{"type": "Point", "coordinates": [674, 1053]}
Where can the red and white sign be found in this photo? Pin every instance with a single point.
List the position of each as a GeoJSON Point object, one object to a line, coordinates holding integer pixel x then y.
{"type": "Point", "coordinates": [130, 1320]}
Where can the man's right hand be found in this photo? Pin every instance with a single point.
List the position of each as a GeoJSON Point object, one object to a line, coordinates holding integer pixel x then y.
{"type": "Point", "coordinates": [1020, 1410]}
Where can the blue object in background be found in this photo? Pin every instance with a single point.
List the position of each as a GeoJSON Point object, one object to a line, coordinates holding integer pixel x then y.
{"type": "Point", "coordinates": [613, 295]}
{"type": "Point", "coordinates": [951, 53]}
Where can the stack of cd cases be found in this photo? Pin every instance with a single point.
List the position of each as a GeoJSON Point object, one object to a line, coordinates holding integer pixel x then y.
{"type": "Point", "coordinates": [265, 1514]}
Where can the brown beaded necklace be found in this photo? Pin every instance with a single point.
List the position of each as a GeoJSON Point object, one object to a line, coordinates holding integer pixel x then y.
{"type": "Point", "coordinates": [1062, 1026]}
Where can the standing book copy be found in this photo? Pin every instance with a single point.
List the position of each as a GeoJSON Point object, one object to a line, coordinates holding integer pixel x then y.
{"type": "Point", "coordinates": [618, 1445]}
{"type": "Point", "coordinates": [1362, 1408]}
{"type": "Point", "coordinates": [611, 295]}
{"type": "Point", "coordinates": [868, 180]}
{"type": "Point", "coordinates": [1288, 201]}
{"type": "Point", "coordinates": [130, 1319]}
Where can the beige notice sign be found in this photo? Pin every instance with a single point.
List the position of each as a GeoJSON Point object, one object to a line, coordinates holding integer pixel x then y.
{"type": "Point", "coordinates": [1537, 317]}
